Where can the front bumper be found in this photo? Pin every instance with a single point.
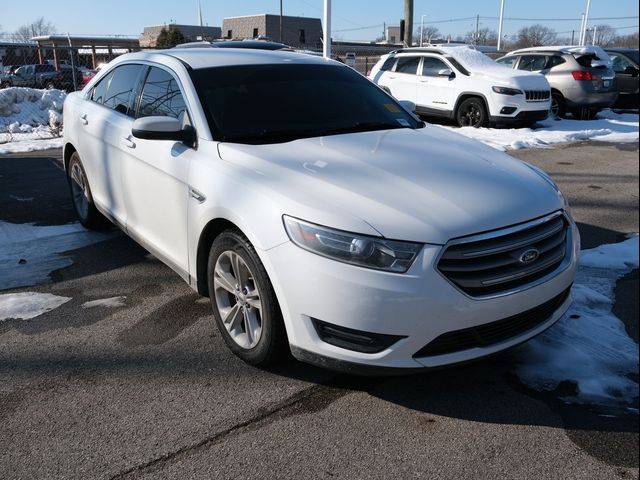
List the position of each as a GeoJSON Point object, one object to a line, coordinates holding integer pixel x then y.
{"type": "Point", "coordinates": [527, 116]}
{"type": "Point", "coordinates": [420, 306]}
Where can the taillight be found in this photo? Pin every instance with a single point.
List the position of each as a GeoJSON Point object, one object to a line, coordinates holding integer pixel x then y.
{"type": "Point", "coordinates": [582, 75]}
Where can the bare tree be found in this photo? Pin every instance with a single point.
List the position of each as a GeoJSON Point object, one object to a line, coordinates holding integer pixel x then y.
{"type": "Point", "coordinates": [36, 28]}
{"type": "Point", "coordinates": [534, 36]}
{"type": "Point", "coordinates": [605, 35]}
{"type": "Point", "coordinates": [627, 41]}
{"type": "Point", "coordinates": [429, 34]}
{"type": "Point", "coordinates": [485, 36]}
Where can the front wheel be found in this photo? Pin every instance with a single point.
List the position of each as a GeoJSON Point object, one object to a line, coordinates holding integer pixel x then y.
{"type": "Point", "coordinates": [558, 107]}
{"type": "Point", "coordinates": [244, 304]}
{"type": "Point", "coordinates": [472, 113]}
{"type": "Point", "coordinates": [81, 197]}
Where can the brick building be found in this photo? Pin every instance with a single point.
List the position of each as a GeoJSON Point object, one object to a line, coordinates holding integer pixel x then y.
{"type": "Point", "coordinates": [298, 32]}
{"type": "Point", "coordinates": [192, 33]}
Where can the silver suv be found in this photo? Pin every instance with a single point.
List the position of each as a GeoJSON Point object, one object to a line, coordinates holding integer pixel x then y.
{"type": "Point", "coordinates": [582, 79]}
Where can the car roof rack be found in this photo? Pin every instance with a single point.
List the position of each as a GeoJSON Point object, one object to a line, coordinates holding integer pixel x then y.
{"type": "Point", "coordinates": [419, 50]}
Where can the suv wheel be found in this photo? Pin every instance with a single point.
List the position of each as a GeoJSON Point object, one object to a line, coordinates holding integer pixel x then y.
{"type": "Point", "coordinates": [585, 113]}
{"type": "Point", "coordinates": [558, 107]}
{"type": "Point", "coordinates": [243, 301]}
{"type": "Point", "coordinates": [472, 113]}
{"type": "Point", "coordinates": [86, 210]}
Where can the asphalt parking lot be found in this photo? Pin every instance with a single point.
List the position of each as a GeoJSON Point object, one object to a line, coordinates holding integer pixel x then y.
{"type": "Point", "coordinates": [150, 391]}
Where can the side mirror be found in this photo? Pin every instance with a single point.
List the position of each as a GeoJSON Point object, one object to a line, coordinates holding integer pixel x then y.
{"type": "Point", "coordinates": [163, 128]}
{"type": "Point", "coordinates": [446, 72]}
{"type": "Point", "coordinates": [408, 105]}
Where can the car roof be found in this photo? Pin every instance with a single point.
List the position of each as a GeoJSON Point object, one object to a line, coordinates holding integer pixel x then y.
{"type": "Point", "coordinates": [621, 50]}
{"type": "Point", "coordinates": [206, 57]}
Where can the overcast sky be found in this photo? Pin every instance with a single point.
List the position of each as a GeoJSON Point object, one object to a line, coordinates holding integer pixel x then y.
{"type": "Point", "coordinates": [352, 19]}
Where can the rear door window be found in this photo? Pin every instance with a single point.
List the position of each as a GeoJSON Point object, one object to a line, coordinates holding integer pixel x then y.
{"type": "Point", "coordinates": [408, 65]}
{"type": "Point", "coordinates": [620, 64]}
{"type": "Point", "coordinates": [532, 63]}
{"type": "Point", "coordinates": [161, 95]}
{"type": "Point", "coordinates": [119, 95]}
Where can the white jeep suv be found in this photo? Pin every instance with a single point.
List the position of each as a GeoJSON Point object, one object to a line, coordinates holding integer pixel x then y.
{"type": "Point", "coordinates": [340, 228]}
{"type": "Point", "coordinates": [463, 84]}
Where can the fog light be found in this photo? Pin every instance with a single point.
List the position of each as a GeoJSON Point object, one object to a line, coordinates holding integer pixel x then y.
{"type": "Point", "coordinates": [508, 110]}
{"type": "Point", "coordinates": [356, 340]}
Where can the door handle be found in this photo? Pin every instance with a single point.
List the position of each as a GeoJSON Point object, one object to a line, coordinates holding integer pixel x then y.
{"type": "Point", "coordinates": [128, 142]}
{"type": "Point", "coordinates": [423, 81]}
{"type": "Point", "coordinates": [84, 120]}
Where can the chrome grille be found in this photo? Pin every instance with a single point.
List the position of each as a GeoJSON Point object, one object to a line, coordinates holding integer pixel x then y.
{"type": "Point", "coordinates": [504, 260]}
{"type": "Point", "coordinates": [537, 95]}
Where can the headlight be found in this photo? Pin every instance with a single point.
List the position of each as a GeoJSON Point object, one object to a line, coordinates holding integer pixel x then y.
{"type": "Point", "coordinates": [353, 248]}
{"type": "Point", "coordinates": [507, 91]}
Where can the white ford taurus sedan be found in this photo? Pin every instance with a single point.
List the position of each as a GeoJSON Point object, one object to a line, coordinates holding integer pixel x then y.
{"type": "Point", "coordinates": [317, 213]}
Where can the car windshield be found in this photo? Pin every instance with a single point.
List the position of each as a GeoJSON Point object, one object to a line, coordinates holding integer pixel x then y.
{"type": "Point", "coordinates": [258, 104]}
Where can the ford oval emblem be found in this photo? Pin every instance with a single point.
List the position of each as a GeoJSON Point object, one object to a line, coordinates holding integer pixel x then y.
{"type": "Point", "coordinates": [529, 256]}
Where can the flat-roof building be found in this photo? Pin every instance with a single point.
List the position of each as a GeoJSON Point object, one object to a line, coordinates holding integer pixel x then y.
{"type": "Point", "coordinates": [192, 33]}
{"type": "Point", "coordinates": [298, 32]}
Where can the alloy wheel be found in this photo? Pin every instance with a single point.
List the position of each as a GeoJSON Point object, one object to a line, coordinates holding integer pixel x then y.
{"type": "Point", "coordinates": [237, 299]}
{"type": "Point", "coordinates": [79, 190]}
{"type": "Point", "coordinates": [471, 116]}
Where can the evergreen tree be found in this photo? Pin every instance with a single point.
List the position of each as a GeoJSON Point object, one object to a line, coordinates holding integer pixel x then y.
{"type": "Point", "coordinates": [169, 37]}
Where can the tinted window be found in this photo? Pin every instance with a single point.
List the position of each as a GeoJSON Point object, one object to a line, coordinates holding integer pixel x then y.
{"type": "Point", "coordinates": [431, 66]}
{"type": "Point", "coordinates": [121, 87]}
{"type": "Point", "coordinates": [388, 63]}
{"type": "Point", "coordinates": [408, 65]}
{"type": "Point", "coordinates": [532, 63]}
{"type": "Point", "coordinates": [620, 63]}
{"type": "Point", "coordinates": [508, 61]}
{"type": "Point", "coordinates": [161, 95]}
{"type": "Point", "coordinates": [279, 103]}
{"type": "Point", "coordinates": [555, 61]}
{"type": "Point", "coordinates": [100, 89]}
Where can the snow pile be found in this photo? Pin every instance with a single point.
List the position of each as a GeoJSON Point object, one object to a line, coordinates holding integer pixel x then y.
{"type": "Point", "coordinates": [29, 113]}
{"type": "Point", "coordinates": [112, 302]}
{"type": "Point", "coordinates": [26, 305]}
{"type": "Point", "coordinates": [589, 344]}
{"type": "Point", "coordinates": [607, 127]}
{"type": "Point", "coordinates": [22, 146]}
{"type": "Point", "coordinates": [29, 253]}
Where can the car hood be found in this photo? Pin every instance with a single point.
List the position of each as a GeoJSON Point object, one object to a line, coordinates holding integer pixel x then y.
{"type": "Point", "coordinates": [516, 78]}
{"type": "Point", "coordinates": [427, 185]}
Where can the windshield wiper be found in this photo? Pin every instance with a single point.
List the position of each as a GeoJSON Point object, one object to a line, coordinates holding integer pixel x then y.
{"type": "Point", "coordinates": [360, 127]}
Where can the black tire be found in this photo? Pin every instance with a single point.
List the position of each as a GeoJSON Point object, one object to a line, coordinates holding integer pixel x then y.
{"type": "Point", "coordinates": [49, 85]}
{"type": "Point", "coordinates": [558, 105]}
{"type": "Point", "coordinates": [272, 344]}
{"type": "Point", "coordinates": [472, 113]}
{"type": "Point", "coordinates": [5, 85]}
{"type": "Point", "coordinates": [86, 210]}
{"type": "Point", "coordinates": [585, 113]}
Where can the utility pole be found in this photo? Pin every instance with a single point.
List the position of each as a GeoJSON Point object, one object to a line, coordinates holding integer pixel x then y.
{"type": "Point", "coordinates": [408, 23]}
{"type": "Point", "coordinates": [326, 48]}
{"type": "Point", "coordinates": [581, 30]}
{"type": "Point", "coordinates": [595, 33]}
{"type": "Point", "coordinates": [573, 33]}
{"type": "Point", "coordinates": [477, 29]}
{"type": "Point", "coordinates": [200, 14]}
{"type": "Point", "coordinates": [584, 26]}
{"type": "Point", "coordinates": [422, 29]}
{"type": "Point", "coordinates": [280, 21]}
{"type": "Point", "coordinates": [500, 25]}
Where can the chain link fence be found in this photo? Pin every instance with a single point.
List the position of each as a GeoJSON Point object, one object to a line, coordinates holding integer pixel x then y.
{"type": "Point", "coordinates": [30, 114]}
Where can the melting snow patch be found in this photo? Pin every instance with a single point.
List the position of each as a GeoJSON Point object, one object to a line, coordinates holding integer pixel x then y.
{"type": "Point", "coordinates": [112, 302]}
{"type": "Point", "coordinates": [26, 305]}
{"type": "Point", "coordinates": [589, 345]}
{"type": "Point", "coordinates": [21, 146]}
{"type": "Point", "coordinates": [608, 127]}
{"type": "Point", "coordinates": [29, 253]}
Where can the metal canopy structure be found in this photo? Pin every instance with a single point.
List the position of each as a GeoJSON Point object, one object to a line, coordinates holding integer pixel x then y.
{"type": "Point", "coordinates": [57, 42]}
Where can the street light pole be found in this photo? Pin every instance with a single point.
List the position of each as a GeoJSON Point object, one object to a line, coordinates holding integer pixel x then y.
{"type": "Point", "coordinates": [421, 28]}
{"type": "Point", "coordinates": [326, 48]}
{"type": "Point", "coordinates": [280, 21]}
{"type": "Point", "coordinates": [586, 22]}
{"type": "Point", "coordinates": [500, 25]}
{"type": "Point", "coordinates": [581, 30]}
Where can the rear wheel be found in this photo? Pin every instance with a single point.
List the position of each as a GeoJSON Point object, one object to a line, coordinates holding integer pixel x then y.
{"type": "Point", "coordinates": [472, 113]}
{"type": "Point", "coordinates": [558, 107]}
{"type": "Point", "coordinates": [585, 113]}
{"type": "Point", "coordinates": [244, 304]}
{"type": "Point", "coordinates": [81, 197]}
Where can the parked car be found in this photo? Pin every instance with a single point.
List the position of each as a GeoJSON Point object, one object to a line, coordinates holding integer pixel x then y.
{"type": "Point", "coordinates": [339, 227]}
{"type": "Point", "coordinates": [581, 78]}
{"type": "Point", "coordinates": [463, 84]}
{"type": "Point", "coordinates": [87, 74]}
{"type": "Point", "coordinates": [5, 80]}
{"type": "Point", "coordinates": [45, 76]}
{"type": "Point", "coordinates": [626, 63]}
